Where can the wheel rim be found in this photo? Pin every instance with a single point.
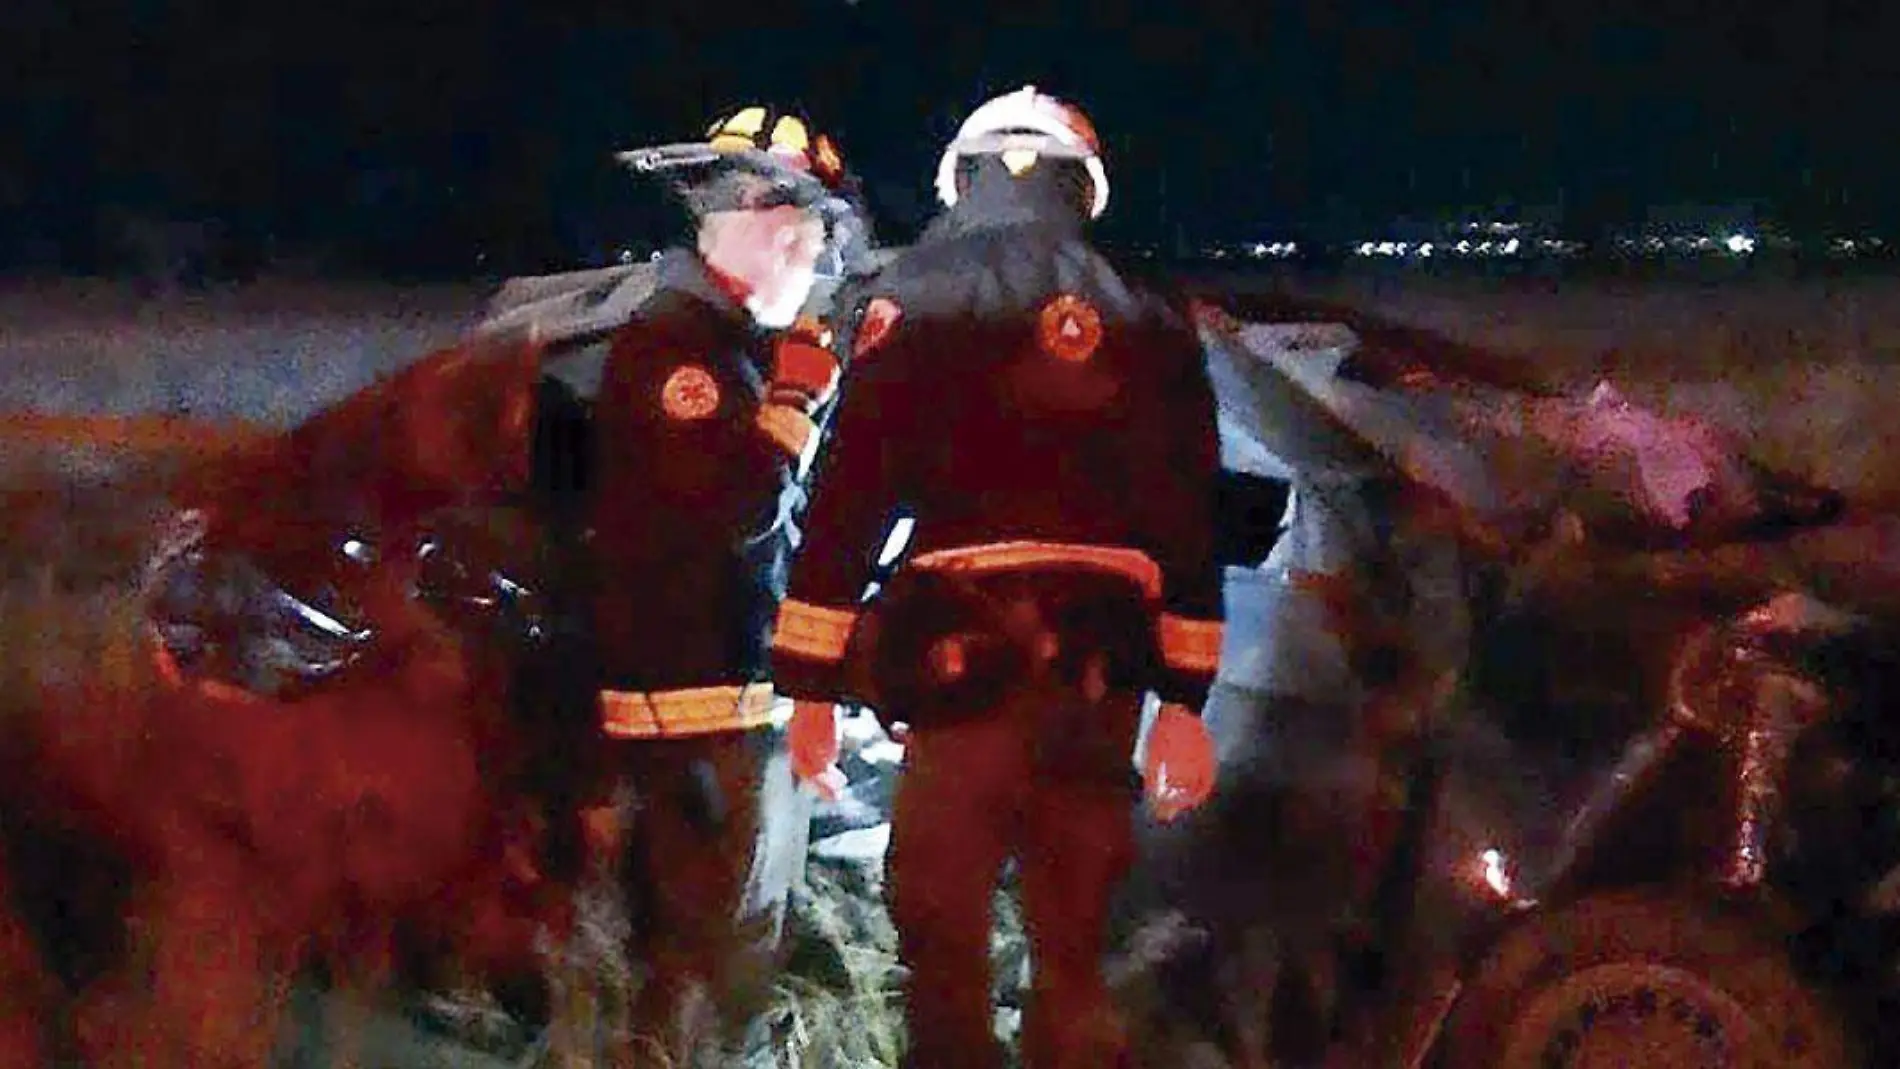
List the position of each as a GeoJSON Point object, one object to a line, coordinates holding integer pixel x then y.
{"type": "Point", "coordinates": [1629, 1014]}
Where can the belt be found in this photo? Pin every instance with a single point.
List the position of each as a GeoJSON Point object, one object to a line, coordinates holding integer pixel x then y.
{"type": "Point", "coordinates": [1186, 645]}
{"type": "Point", "coordinates": [686, 712]}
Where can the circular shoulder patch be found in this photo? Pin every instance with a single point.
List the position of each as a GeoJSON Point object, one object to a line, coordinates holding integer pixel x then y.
{"type": "Point", "coordinates": [690, 392]}
{"type": "Point", "coordinates": [1069, 327]}
{"type": "Point", "coordinates": [879, 319]}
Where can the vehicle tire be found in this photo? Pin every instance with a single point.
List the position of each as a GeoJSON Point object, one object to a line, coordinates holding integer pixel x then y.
{"type": "Point", "coordinates": [1643, 978]}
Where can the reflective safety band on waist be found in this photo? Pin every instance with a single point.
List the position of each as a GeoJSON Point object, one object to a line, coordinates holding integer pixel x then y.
{"type": "Point", "coordinates": [669, 714]}
{"type": "Point", "coordinates": [813, 632]}
{"type": "Point", "coordinates": [1019, 556]}
{"type": "Point", "coordinates": [1187, 645]}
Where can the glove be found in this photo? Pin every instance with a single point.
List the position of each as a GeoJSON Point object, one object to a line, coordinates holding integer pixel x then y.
{"type": "Point", "coordinates": [1180, 768]}
{"type": "Point", "coordinates": [812, 740]}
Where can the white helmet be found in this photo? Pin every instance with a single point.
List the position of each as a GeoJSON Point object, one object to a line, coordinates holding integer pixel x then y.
{"type": "Point", "coordinates": [1031, 124]}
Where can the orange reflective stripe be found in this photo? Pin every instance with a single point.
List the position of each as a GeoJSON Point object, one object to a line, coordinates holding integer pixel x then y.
{"type": "Point", "coordinates": [667, 714]}
{"type": "Point", "coordinates": [788, 428]}
{"type": "Point", "coordinates": [813, 632]}
{"type": "Point", "coordinates": [1189, 645]}
{"type": "Point", "coordinates": [1014, 556]}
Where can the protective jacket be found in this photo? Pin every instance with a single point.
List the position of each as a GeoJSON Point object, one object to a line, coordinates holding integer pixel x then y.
{"type": "Point", "coordinates": [702, 429]}
{"type": "Point", "coordinates": [1028, 411]}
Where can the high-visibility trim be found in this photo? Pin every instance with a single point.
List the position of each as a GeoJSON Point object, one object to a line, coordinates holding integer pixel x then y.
{"type": "Point", "coordinates": [1189, 645]}
{"type": "Point", "coordinates": [672, 714]}
{"type": "Point", "coordinates": [813, 632]}
{"type": "Point", "coordinates": [1016, 556]}
{"type": "Point", "coordinates": [788, 428]}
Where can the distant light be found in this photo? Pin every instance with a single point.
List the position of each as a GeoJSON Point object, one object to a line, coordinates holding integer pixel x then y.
{"type": "Point", "coordinates": [1741, 244]}
{"type": "Point", "coordinates": [1365, 248]}
{"type": "Point", "coordinates": [1510, 247]}
{"type": "Point", "coordinates": [1425, 250]}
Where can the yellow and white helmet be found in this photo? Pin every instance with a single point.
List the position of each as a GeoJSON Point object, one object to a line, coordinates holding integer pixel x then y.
{"type": "Point", "coordinates": [1021, 127]}
{"type": "Point", "coordinates": [803, 164]}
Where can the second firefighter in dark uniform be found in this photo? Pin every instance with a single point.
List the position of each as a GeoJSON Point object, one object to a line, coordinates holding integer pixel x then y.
{"type": "Point", "coordinates": [1050, 431]}
{"type": "Point", "coordinates": [704, 428]}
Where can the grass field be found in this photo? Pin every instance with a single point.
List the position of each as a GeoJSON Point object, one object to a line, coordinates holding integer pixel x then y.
{"type": "Point", "coordinates": [1805, 369]}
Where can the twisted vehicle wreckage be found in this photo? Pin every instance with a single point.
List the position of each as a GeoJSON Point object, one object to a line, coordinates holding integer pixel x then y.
{"type": "Point", "coordinates": [1577, 818]}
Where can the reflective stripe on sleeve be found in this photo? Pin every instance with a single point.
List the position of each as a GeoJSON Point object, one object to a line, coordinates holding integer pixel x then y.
{"type": "Point", "coordinates": [1190, 645]}
{"type": "Point", "coordinates": [671, 714]}
{"type": "Point", "coordinates": [813, 632]}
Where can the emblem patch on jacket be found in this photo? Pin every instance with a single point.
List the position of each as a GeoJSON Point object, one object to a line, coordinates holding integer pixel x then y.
{"type": "Point", "coordinates": [1069, 328]}
{"type": "Point", "coordinates": [689, 393]}
{"type": "Point", "coordinates": [880, 318]}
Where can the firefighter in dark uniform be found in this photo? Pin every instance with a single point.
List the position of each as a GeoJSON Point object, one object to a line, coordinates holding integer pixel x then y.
{"type": "Point", "coordinates": [1050, 432]}
{"type": "Point", "coordinates": [704, 429]}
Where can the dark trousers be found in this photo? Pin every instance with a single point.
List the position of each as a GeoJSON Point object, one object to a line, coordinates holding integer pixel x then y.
{"type": "Point", "coordinates": [715, 840]}
{"type": "Point", "coordinates": [1043, 776]}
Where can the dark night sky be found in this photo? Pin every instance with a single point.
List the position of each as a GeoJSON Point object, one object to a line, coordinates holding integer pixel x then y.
{"type": "Point", "coordinates": [452, 122]}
